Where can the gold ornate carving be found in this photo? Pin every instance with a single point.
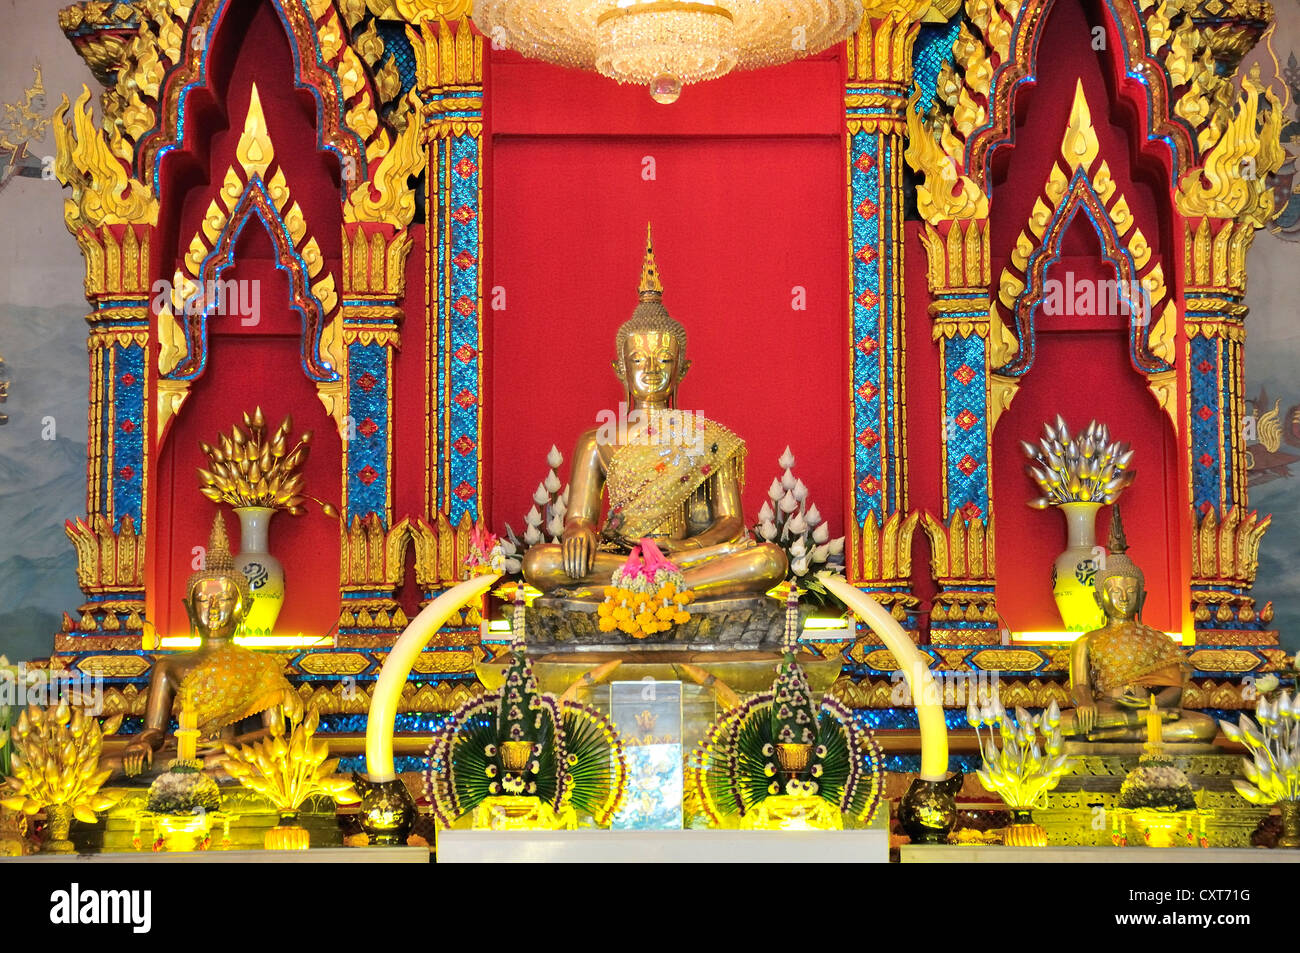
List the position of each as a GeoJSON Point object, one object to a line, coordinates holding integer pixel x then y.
{"type": "Point", "coordinates": [114, 666]}
{"type": "Point", "coordinates": [103, 191]}
{"type": "Point", "coordinates": [394, 161]}
{"type": "Point", "coordinates": [1233, 183]}
{"type": "Point", "coordinates": [963, 563]}
{"type": "Point", "coordinates": [449, 55]}
{"type": "Point", "coordinates": [885, 558]}
{"type": "Point", "coordinates": [334, 663]}
{"type": "Point", "coordinates": [108, 560]}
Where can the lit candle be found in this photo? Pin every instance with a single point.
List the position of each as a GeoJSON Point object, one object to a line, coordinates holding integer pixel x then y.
{"type": "Point", "coordinates": [187, 736]}
{"type": "Point", "coordinates": [1153, 724]}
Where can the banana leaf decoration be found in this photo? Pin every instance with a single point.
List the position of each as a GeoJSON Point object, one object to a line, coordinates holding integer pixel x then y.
{"type": "Point", "coordinates": [524, 743]}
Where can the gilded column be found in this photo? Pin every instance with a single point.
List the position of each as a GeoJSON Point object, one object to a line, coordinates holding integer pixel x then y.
{"type": "Point", "coordinates": [879, 79]}
{"type": "Point", "coordinates": [1221, 204]}
{"type": "Point", "coordinates": [451, 77]}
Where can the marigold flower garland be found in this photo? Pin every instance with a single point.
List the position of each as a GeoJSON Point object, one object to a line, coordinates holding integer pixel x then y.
{"type": "Point", "coordinates": [648, 594]}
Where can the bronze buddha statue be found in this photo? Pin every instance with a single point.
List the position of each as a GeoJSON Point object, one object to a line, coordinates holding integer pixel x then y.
{"type": "Point", "coordinates": [226, 682]}
{"type": "Point", "coordinates": [1116, 671]}
{"type": "Point", "coordinates": [670, 476]}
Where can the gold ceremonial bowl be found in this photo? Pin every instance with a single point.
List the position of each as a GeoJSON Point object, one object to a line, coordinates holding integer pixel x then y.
{"type": "Point", "coordinates": [793, 758]}
{"type": "Point", "coordinates": [515, 755]}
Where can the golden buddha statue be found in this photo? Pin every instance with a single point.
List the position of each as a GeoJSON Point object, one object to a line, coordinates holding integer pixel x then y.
{"type": "Point", "coordinates": [1119, 670]}
{"type": "Point", "coordinates": [671, 476]}
{"type": "Point", "coordinates": [224, 682]}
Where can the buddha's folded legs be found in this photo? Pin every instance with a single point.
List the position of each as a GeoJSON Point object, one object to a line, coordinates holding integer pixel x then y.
{"type": "Point", "coordinates": [1118, 724]}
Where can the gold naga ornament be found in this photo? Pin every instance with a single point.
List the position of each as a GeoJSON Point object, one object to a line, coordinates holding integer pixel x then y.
{"type": "Point", "coordinates": [55, 766]}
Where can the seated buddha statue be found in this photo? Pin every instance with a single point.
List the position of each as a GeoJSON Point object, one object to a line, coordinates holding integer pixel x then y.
{"type": "Point", "coordinates": [226, 683]}
{"type": "Point", "coordinates": [1117, 670]}
{"type": "Point", "coordinates": [669, 476]}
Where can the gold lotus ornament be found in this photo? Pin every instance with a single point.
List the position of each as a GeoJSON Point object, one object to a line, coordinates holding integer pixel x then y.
{"type": "Point", "coordinates": [287, 770]}
{"type": "Point", "coordinates": [248, 469]}
{"type": "Point", "coordinates": [55, 766]}
{"type": "Point", "coordinates": [1021, 772]}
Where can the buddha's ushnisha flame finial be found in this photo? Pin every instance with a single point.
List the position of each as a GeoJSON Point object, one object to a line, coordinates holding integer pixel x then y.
{"type": "Point", "coordinates": [1118, 542]}
{"type": "Point", "coordinates": [1117, 561]}
{"type": "Point", "coordinates": [651, 288]}
{"type": "Point", "coordinates": [218, 558]}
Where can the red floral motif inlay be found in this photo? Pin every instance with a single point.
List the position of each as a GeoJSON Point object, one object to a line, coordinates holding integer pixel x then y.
{"type": "Point", "coordinates": [964, 374]}
{"type": "Point", "coordinates": [865, 163]}
{"type": "Point", "coordinates": [1205, 413]}
{"type": "Point", "coordinates": [868, 391]}
{"type": "Point", "coordinates": [367, 427]}
{"type": "Point", "coordinates": [971, 512]}
{"type": "Point", "coordinates": [464, 305]}
{"type": "Point", "coordinates": [868, 299]}
{"type": "Point", "coordinates": [966, 420]}
{"type": "Point", "coordinates": [1205, 367]}
{"type": "Point", "coordinates": [464, 215]}
{"type": "Point", "coordinates": [466, 398]}
{"type": "Point", "coordinates": [126, 473]}
{"type": "Point", "coordinates": [368, 475]}
{"type": "Point", "coordinates": [968, 464]}
{"type": "Point", "coordinates": [465, 353]}
{"type": "Point", "coordinates": [464, 260]}
{"type": "Point", "coordinates": [867, 209]}
{"type": "Point", "coordinates": [869, 485]}
{"type": "Point", "coordinates": [1206, 460]}
{"type": "Point", "coordinates": [128, 378]}
{"type": "Point", "coordinates": [367, 382]}
{"type": "Point", "coordinates": [463, 444]}
{"type": "Point", "coordinates": [128, 426]}
{"type": "Point", "coordinates": [868, 438]}
{"type": "Point", "coordinates": [866, 254]}
{"type": "Point", "coordinates": [465, 167]}
{"type": "Point", "coordinates": [867, 346]}
{"type": "Point", "coordinates": [465, 490]}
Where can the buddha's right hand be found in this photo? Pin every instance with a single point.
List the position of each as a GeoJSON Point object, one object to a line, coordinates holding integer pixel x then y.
{"type": "Point", "coordinates": [578, 551]}
{"type": "Point", "coordinates": [1085, 718]}
{"type": "Point", "coordinates": [137, 756]}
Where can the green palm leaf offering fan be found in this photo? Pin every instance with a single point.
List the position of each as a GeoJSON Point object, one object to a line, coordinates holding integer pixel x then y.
{"type": "Point", "coordinates": [778, 748]}
{"type": "Point", "coordinates": [521, 743]}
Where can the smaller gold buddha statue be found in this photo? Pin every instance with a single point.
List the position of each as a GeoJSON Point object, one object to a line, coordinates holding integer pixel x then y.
{"type": "Point", "coordinates": [664, 480]}
{"type": "Point", "coordinates": [1118, 671]}
{"type": "Point", "coordinates": [225, 683]}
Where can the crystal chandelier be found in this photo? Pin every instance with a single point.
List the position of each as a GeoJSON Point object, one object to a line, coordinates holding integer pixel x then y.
{"type": "Point", "coordinates": [665, 44]}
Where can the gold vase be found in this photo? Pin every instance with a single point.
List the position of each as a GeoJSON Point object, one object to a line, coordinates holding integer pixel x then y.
{"type": "Point", "coordinates": [1023, 831]}
{"type": "Point", "coordinates": [58, 821]}
{"type": "Point", "coordinates": [515, 755]}
{"type": "Point", "coordinates": [287, 835]}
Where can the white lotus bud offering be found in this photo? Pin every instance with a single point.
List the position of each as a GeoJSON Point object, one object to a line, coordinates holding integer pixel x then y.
{"type": "Point", "coordinates": [552, 483]}
{"type": "Point", "coordinates": [767, 530]}
{"type": "Point", "coordinates": [813, 516]}
{"type": "Point", "coordinates": [554, 458]}
{"type": "Point", "coordinates": [797, 524]}
{"type": "Point", "coordinates": [508, 547]}
{"type": "Point", "coordinates": [513, 565]}
{"type": "Point", "coordinates": [800, 565]}
{"type": "Point", "coordinates": [788, 503]}
{"type": "Point", "coordinates": [820, 553]}
{"type": "Point", "coordinates": [821, 534]}
{"type": "Point", "coordinates": [765, 514]}
{"type": "Point", "coordinates": [555, 527]}
{"type": "Point", "coordinates": [532, 536]}
{"type": "Point", "coordinates": [798, 547]}
{"type": "Point", "coordinates": [837, 545]}
{"type": "Point", "coordinates": [800, 491]}
{"type": "Point", "coordinates": [534, 517]}
{"type": "Point", "coordinates": [775, 491]}
{"type": "Point", "coordinates": [788, 481]}
{"type": "Point", "coordinates": [540, 496]}
{"type": "Point", "coordinates": [565, 495]}
{"type": "Point", "coordinates": [787, 460]}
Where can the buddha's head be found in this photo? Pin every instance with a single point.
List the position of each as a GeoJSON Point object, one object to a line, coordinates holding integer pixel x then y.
{"type": "Point", "coordinates": [1120, 585]}
{"type": "Point", "coordinates": [217, 597]}
{"type": "Point", "coordinates": [651, 345]}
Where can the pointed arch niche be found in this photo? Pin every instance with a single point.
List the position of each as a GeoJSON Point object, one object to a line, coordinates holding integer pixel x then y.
{"type": "Point", "coordinates": [1100, 220]}
{"type": "Point", "coordinates": [249, 208]}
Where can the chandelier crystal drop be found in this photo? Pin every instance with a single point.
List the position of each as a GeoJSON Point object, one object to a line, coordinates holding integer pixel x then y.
{"type": "Point", "coordinates": [666, 44]}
